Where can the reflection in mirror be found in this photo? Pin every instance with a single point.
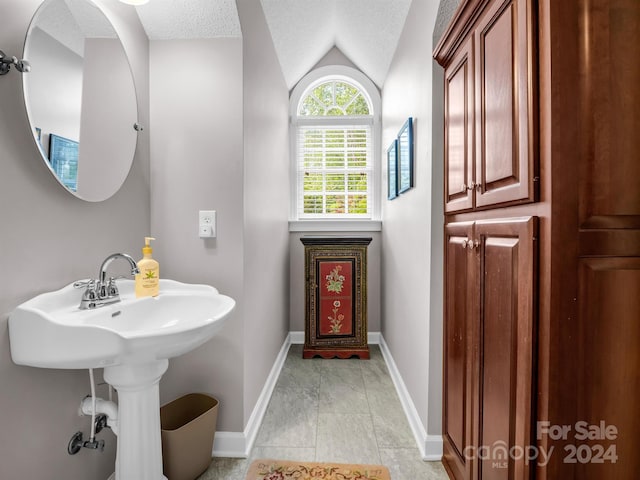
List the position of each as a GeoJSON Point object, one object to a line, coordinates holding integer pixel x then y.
{"type": "Point", "coordinates": [80, 98]}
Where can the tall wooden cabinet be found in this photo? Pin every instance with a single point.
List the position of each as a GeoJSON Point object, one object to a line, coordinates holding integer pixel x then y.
{"type": "Point", "coordinates": [542, 161]}
{"type": "Point", "coordinates": [490, 256]}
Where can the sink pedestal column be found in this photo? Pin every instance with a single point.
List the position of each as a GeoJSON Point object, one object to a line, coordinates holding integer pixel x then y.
{"type": "Point", "coordinates": [139, 448]}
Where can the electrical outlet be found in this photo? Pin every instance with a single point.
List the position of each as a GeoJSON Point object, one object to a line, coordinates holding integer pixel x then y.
{"type": "Point", "coordinates": [207, 224]}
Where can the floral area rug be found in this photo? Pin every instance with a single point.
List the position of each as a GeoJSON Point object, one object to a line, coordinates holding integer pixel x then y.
{"type": "Point", "coordinates": [284, 470]}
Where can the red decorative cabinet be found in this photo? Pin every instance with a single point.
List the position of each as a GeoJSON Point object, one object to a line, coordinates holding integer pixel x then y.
{"type": "Point", "coordinates": [335, 296]}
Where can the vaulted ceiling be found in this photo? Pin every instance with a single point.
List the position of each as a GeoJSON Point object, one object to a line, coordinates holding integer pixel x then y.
{"type": "Point", "coordinates": [303, 31]}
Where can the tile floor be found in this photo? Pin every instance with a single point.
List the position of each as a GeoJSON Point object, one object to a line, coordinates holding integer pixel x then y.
{"type": "Point", "coordinates": [334, 411]}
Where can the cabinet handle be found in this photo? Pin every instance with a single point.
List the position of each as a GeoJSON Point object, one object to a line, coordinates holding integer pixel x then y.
{"type": "Point", "coordinates": [471, 186]}
{"type": "Point", "coordinates": [471, 244]}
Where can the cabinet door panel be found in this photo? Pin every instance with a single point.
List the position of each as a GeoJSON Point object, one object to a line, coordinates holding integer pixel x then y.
{"type": "Point", "coordinates": [458, 157]}
{"type": "Point", "coordinates": [608, 121]}
{"type": "Point", "coordinates": [506, 331]}
{"type": "Point", "coordinates": [607, 345]}
{"type": "Point", "coordinates": [458, 344]}
{"type": "Point", "coordinates": [504, 141]}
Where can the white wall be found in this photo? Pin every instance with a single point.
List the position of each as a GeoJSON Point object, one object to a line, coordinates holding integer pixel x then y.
{"type": "Point", "coordinates": [197, 164]}
{"type": "Point", "coordinates": [411, 261]}
{"type": "Point", "coordinates": [49, 239]}
{"type": "Point", "coordinates": [266, 202]}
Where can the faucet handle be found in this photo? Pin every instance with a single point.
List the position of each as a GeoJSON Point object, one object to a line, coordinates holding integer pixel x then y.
{"type": "Point", "coordinates": [89, 296]}
{"type": "Point", "coordinates": [112, 288]}
{"type": "Point", "coordinates": [81, 283]}
{"type": "Point", "coordinates": [91, 292]}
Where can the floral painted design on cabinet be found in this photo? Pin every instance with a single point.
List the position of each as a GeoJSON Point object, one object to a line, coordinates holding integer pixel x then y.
{"type": "Point", "coordinates": [336, 298]}
{"type": "Point", "coordinates": [335, 280]}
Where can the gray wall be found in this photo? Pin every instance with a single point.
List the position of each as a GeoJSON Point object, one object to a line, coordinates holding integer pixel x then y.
{"type": "Point", "coordinates": [197, 164]}
{"type": "Point", "coordinates": [108, 97]}
{"type": "Point", "coordinates": [266, 201]}
{"type": "Point", "coordinates": [220, 142]}
{"type": "Point", "coordinates": [411, 260]}
{"type": "Point", "coordinates": [49, 239]}
{"type": "Point", "coordinates": [335, 57]}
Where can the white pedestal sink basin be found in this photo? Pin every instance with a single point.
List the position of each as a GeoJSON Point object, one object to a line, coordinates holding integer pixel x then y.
{"type": "Point", "coordinates": [132, 340]}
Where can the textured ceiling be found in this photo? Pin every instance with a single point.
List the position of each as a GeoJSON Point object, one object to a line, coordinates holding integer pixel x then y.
{"type": "Point", "coordinates": [303, 31]}
{"type": "Point", "coordinates": [187, 19]}
{"type": "Point", "coordinates": [366, 31]}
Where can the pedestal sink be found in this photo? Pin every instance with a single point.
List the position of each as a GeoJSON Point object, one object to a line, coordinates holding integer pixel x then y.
{"type": "Point", "coordinates": [132, 340]}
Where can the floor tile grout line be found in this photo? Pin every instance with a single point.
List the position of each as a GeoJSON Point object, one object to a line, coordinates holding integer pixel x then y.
{"type": "Point", "coordinates": [373, 426]}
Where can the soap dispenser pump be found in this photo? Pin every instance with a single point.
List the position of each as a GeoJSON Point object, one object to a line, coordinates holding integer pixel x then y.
{"type": "Point", "coordinates": [148, 280]}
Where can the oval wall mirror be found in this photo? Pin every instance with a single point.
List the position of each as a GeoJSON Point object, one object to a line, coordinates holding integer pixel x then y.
{"type": "Point", "coordinates": [80, 98]}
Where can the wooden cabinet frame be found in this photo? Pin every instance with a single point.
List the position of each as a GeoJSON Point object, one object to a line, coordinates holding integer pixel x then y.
{"type": "Point", "coordinates": [336, 297]}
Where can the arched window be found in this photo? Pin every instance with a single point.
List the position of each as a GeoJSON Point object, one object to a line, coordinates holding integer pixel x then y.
{"type": "Point", "coordinates": [334, 129]}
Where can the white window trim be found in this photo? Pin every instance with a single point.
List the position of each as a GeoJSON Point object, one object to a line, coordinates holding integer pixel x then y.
{"type": "Point", "coordinates": [333, 225]}
{"type": "Point", "coordinates": [309, 81]}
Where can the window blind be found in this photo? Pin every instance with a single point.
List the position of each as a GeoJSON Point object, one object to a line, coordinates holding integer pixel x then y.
{"type": "Point", "coordinates": [335, 171]}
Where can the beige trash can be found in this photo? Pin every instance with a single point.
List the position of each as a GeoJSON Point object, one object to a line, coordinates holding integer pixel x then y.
{"type": "Point", "coordinates": [188, 426]}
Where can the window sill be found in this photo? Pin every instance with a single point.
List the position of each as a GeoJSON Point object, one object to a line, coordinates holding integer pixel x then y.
{"type": "Point", "coordinates": [335, 225]}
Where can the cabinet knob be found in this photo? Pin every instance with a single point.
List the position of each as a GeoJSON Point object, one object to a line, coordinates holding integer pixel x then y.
{"type": "Point", "coordinates": [472, 186]}
{"type": "Point", "coordinates": [464, 187]}
{"type": "Point", "coordinates": [471, 244]}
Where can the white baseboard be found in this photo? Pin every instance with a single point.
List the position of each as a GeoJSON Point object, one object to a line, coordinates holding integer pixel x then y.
{"type": "Point", "coordinates": [430, 446]}
{"type": "Point", "coordinates": [297, 338]}
{"type": "Point", "coordinates": [230, 445]}
{"type": "Point", "coordinates": [239, 444]}
{"type": "Point", "coordinates": [433, 448]}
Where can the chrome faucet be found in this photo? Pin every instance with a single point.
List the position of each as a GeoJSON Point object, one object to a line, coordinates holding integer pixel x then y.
{"type": "Point", "coordinates": [102, 292]}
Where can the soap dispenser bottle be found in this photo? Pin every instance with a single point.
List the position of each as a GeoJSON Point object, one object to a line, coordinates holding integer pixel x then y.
{"type": "Point", "coordinates": [148, 280]}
